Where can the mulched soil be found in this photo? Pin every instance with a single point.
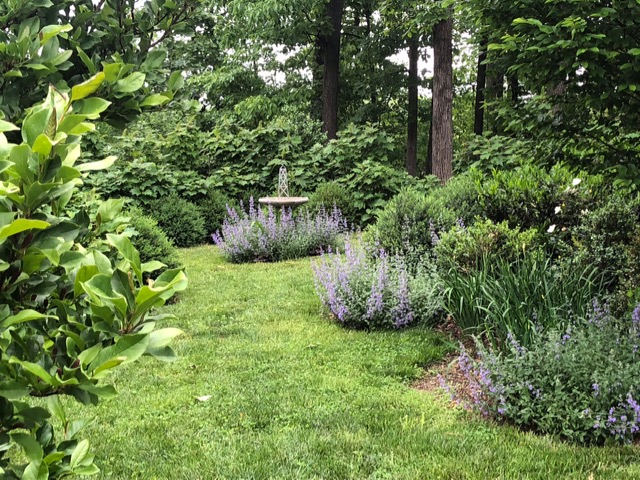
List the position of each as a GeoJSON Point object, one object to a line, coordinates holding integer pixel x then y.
{"type": "Point", "coordinates": [446, 376]}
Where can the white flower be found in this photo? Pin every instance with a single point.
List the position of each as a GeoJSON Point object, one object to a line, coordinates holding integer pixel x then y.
{"type": "Point", "coordinates": [576, 182]}
{"type": "Point", "coordinates": [551, 229]}
{"type": "Point", "coordinates": [558, 210]}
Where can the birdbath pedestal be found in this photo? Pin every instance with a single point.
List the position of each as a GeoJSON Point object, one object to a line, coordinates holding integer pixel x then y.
{"type": "Point", "coordinates": [283, 199]}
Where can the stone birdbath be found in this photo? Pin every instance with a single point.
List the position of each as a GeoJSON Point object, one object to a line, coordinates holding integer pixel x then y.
{"type": "Point", "coordinates": [283, 199]}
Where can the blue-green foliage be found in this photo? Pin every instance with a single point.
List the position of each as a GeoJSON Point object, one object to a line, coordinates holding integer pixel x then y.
{"type": "Point", "coordinates": [578, 382]}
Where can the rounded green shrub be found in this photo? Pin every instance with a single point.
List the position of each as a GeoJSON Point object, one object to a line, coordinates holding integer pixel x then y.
{"type": "Point", "coordinates": [180, 219]}
{"type": "Point", "coordinates": [151, 241]}
{"type": "Point", "coordinates": [411, 222]}
{"type": "Point", "coordinates": [531, 196]}
{"type": "Point", "coordinates": [329, 194]}
{"type": "Point", "coordinates": [213, 209]}
{"type": "Point", "coordinates": [465, 248]}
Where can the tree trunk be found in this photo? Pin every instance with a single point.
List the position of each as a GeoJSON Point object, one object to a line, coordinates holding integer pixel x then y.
{"type": "Point", "coordinates": [412, 124]}
{"type": "Point", "coordinates": [330, 76]}
{"type": "Point", "coordinates": [514, 87]}
{"type": "Point", "coordinates": [494, 91]}
{"type": "Point", "coordinates": [442, 113]}
{"type": "Point", "coordinates": [317, 71]}
{"type": "Point", "coordinates": [481, 85]}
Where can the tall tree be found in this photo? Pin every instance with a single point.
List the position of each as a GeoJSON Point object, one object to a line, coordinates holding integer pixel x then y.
{"type": "Point", "coordinates": [442, 110]}
{"type": "Point", "coordinates": [412, 122]}
{"type": "Point", "coordinates": [481, 85]}
{"type": "Point", "coordinates": [329, 41]}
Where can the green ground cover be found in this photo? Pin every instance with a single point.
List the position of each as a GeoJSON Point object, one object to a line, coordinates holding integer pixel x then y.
{"type": "Point", "coordinates": [296, 396]}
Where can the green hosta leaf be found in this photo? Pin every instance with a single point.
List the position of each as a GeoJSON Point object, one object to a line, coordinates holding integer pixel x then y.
{"type": "Point", "coordinates": [164, 354]}
{"type": "Point", "coordinates": [152, 266]}
{"type": "Point", "coordinates": [83, 90]}
{"type": "Point", "coordinates": [87, 61]}
{"type": "Point", "coordinates": [100, 165]}
{"type": "Point", "coordinates": [108, 365]}
{"type": "Point", "coordinates": [88, 355]}
{"type": "Point", "coordinates": [106, 392]}
{"type": "Point", "coordinates": [154, 60]}
{"type": "Point", "coordinates": [112, 71]}
{"type": "Point", "coordinates": [86, 470]}
{"type": "Point", "coordinates": [22, 225]}
{"type": "Point", "coordinates": [43, 145]}
{"type": "Point", "coordinates": [176, 81]}
{"type": "Point", "coordinates": [54, 457]}
{"type": "Point", "coordinates": [85, 274]}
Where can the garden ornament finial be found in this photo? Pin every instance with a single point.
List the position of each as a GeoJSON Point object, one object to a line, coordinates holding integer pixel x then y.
{"type": "Point", "coordinates": [283, 182]}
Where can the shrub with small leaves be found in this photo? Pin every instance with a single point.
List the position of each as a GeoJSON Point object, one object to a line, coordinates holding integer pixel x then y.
{"type": "Point", "coordinates": [411, 222]}
{"type": "Point", "coordinates": [151, 241]}
{"type": "Point", "coordinates": [332, 193]}
{"type": "Point", "coordinates": [213, 209]}
{"type": "Point", "coordinates": [579, 383]}
{"type": "Point", "coordinates": [466, 247]}
{"type": "Point", "coordinates": [376, 290]}
{"type": "Point", "coordinates": [180, 219]}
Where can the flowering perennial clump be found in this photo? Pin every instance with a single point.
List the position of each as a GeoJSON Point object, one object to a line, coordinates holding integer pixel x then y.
{"type": "Point", "coordinates": [264, 234]}
{"type": "Point", "coordinates": [368, 290]}
{"type": "Point", "coordinates": [579, 383]}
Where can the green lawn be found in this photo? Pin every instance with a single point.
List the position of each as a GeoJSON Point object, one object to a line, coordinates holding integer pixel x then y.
{"type": "Point", "coordinates": [294, 396]}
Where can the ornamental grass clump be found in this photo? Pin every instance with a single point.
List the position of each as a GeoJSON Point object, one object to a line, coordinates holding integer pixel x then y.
{"type": "Point", "coordinates": [376, 290]}
{"type": "Point", "coordinates": [266, 235]}
{"type": "Point", "coordinates": [579, 383]}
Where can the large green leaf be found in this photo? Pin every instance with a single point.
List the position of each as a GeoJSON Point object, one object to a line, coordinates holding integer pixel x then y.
{"type": "Point", "coordinates": [50, 31]}
{"type": "Point", "coordinates": [83, 90]}
{"type": "Point", "coordinates": [21, 317]}
{"type": "Point", "coordinates": [131, 346]}
{"type": "Point", "coordinates": [35, 125]}
{"type": "Point", "coordinates": [7, 127]}
{"type": "Point", "coordinates": [154, 100]}
{"type": "Point", "coordinates": [130, 83]}
{"type": "Point", "coordinates": [22, 225]}
{"type": "Point", "coordinates": [128, 252]}
{"type": "Point", "coordinates": [99, 165]}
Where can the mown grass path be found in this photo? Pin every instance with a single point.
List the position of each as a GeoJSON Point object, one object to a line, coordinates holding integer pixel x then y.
{"type": "Point", "coordinates": [294, 396]}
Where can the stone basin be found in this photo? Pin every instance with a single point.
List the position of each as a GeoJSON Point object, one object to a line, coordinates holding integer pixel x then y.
{"type": "Point", "coordinates": [283, 201]}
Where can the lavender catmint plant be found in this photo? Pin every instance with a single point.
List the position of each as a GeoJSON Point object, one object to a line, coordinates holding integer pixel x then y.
{"type": "Point", "coordinates": [266, 234]}
{"type": "Point", "coordinates": [579, 382]}
{"type": "Point", "coordinates": [374, 289]}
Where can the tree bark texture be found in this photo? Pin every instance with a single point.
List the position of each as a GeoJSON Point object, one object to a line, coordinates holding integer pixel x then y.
{"type": "Point", "coordinates": [481, 85]}
{"type": "Point", "coordinates": [412, 123]}
{"type": "Point", "coordinates": [330, 78]}
{"type": "Point", "coordinates": [442, 114]}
